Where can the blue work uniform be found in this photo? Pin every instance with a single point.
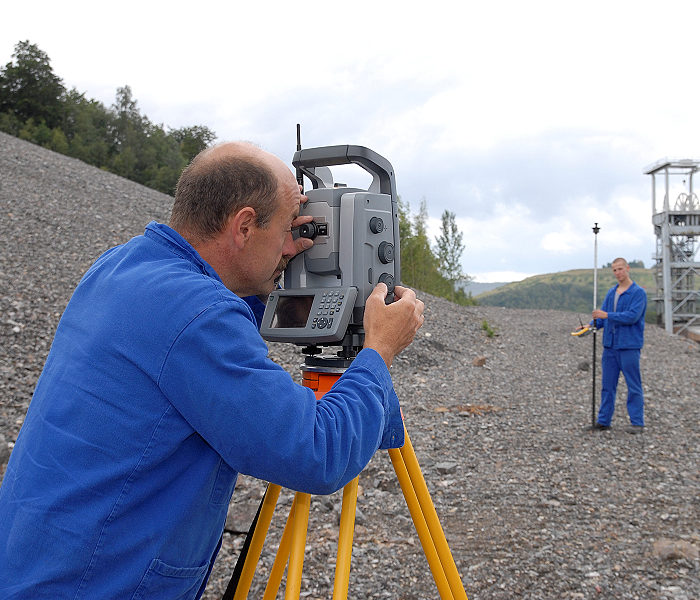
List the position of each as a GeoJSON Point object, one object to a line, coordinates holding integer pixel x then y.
{"type": "Point", "coordinates": [156, 393]}
{"type": "Point", "coordinates": [623, 338]}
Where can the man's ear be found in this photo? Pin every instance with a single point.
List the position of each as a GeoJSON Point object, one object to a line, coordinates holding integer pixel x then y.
{"type": "Point", "coordinates": [241, 226]}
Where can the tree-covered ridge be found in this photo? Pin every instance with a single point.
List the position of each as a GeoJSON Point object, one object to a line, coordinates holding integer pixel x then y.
{"type": "Point", "coordinates": [567, 290]}
{"type": "Point", "coordinates": [36, 106]}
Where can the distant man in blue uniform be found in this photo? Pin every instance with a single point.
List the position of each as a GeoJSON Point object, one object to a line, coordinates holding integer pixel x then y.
{"type": "Point", "coordinates": [158, 391]}
{"type": "Point", "coordinates": [622, 319]}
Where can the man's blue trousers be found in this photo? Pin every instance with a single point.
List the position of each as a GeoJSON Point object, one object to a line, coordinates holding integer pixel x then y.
{"type": "Point", "coordinates": [627, 361]}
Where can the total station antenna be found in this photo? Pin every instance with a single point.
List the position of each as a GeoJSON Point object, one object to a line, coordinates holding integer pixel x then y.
{"type": "Point", "coordinates": [300, 175]}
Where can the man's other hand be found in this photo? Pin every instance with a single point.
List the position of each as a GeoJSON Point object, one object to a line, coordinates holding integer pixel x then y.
{"type": "Point", "coordinates": [389, 328]}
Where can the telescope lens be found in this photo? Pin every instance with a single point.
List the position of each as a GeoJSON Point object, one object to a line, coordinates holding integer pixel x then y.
{"type": "Point", "coordinates": [308, 230]}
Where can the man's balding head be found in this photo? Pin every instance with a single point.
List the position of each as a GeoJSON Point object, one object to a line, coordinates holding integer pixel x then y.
{"type": "Point", "coordinates": [219, 182]}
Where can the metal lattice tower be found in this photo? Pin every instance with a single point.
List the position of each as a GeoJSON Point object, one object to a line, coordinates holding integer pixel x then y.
{"type": "Point", "coordinates": [677, 229]}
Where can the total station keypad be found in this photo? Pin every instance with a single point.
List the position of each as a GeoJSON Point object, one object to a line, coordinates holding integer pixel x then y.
{"type": "Point", "coordinates": [331, 303]}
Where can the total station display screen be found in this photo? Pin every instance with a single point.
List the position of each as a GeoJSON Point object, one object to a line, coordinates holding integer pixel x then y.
{"type": "Point", "coordinates": [292, 311]}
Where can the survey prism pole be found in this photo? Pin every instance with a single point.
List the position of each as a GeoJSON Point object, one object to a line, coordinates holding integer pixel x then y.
{"type": "Point", "coordinates": [596, 229]}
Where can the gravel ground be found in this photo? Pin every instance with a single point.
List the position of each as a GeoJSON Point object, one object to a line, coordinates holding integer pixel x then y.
{"type": "Point", "coordinates": [533, 504]}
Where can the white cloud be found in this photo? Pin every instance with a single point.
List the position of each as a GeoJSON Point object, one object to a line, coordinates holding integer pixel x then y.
{"type": "Point", "coordinates": [558, 242]}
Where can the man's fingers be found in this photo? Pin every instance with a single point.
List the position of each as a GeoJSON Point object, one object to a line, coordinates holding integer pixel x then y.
{"type": "Point", "coordinates": [389, 328]}
{"type": "Point", "coordinates": [407, 296]}
{"type": "Point", "coordinates": [301, 220]}
{"type": "Point", "coordinates": [400, 292]}
{"type": "Point", "coordinates": [380, 291]}
{"type": "Point", "coordinates": [302, 244]}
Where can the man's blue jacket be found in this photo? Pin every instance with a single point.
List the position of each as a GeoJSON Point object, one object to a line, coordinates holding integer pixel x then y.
{"type": "Point", "coordinates": [156, 393]}
{"type": "Point", "coordinates": [624, 328]}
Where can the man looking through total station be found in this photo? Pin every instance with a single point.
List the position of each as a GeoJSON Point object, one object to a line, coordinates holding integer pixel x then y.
{"type": "Point", "coordinates": [622, 319]}
{"type": "Point", "coordinates": [157, 392]}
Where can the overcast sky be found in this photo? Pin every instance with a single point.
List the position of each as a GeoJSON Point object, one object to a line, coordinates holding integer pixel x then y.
{"type": "Point", "coordinates": [529, 120]}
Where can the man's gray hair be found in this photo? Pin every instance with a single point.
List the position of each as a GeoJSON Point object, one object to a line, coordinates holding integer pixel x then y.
{"type": "Point", "coordinates": [216, 185]}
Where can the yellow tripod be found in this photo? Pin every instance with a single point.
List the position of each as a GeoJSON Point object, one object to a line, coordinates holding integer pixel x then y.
{"type": "Point", "coordinates": [290, 552]}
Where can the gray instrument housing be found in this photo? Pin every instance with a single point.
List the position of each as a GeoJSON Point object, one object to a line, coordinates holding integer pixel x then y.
{"type": "Point", "coordinates": [358, 247]}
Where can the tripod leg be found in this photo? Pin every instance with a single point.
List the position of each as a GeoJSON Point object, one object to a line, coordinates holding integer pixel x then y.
{"type": "Point", "coordinates": [257, 541]}
{"type": "Point", "coordinates": [428, 510]}
{"type": "Point", "coordinates": [300, 526]}
{"type": "Point", "coordinates": [421, 526]}
{"type": "Point", "coordinates": [347, 528]}
{"type": "Point", "coordinates": [281, 558]}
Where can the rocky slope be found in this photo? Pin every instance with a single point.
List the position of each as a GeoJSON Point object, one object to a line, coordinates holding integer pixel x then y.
{"type": "Point", "coordinates": [533, 504]}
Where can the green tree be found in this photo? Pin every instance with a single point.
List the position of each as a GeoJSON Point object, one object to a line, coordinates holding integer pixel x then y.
{"type": "Point", "coordinates": [162, 160]}
{"type": "Point", "coordinates": [192, 140]}
{"type": "Point", "coordinates": [124, 164]}
{"type": "Point", "coordinates": [404, 219]}
{"type": "Point", "coordinates": [87, 124]}
{"type": "Point", "coordinates": [127, 126]}
{"type": "Point", "coordinates": [37, 133]}
{"type": "Point", "coordinates": [58, 142]}
{"type": "Point", "coordinates": [131, 153]}
{"type": "Point", "coordinates": [449, 250]}
{"type": "Point", "coordinates": [141, 150]}
{"type": "Point", "coordinates": [28, 87]}
{"type": "Point", "coordinates": [35, 106]}
{"type": "Point", "coordinates": [9, 123]}
{"type": "Point", "coordinates": [417, 258]}
{"type": "Point", "coordinates": [420, 267]}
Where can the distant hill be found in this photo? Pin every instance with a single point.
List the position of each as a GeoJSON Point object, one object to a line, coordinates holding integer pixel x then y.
{"type": "Point", "coordinates": [566, 290]}
{"type": "Point", "coordinates": [478, 287]}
